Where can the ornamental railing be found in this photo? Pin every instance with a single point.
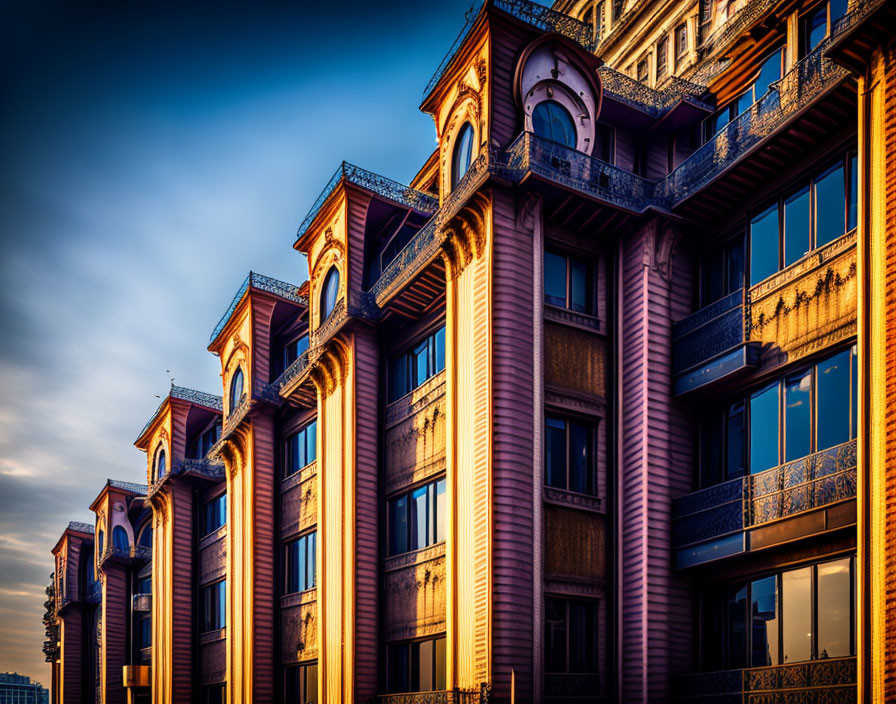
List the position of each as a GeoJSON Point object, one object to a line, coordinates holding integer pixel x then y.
{"type": "Point", "coordinates": [445, 696]}
{"type": "Point", "coordinates": [803, 84]}
{"type": "Point", "coordinates": [831, 680]}
{"type": "Point", "coordinates": [530, 153]}
{"type": "Point", "coordinates": [263, 283]}
{"type": "Point", "coordinates": [370, 181]}
{"type": "Point", "coordinates": [811, 482]}
{"type": "Point", "coordinates": [654, 102]}
{"type": "Point", "coordinates": [709, 332]}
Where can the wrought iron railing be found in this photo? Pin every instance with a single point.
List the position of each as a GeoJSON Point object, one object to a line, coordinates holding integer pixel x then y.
{"type": "Point", "coordinates": [817, 480]}
{"type": "Point", "coordinates": [445, 696]}
{"type": "Point", "coordinates": [828, 680]}
{"type": "Point", "coordinates": [572, 686]}
{"type": "Point", "coordinates": [653, 101]}
{"type": "Point", "coordinates": [709, 332]}
{"type": "Point", "coordinates": [370, 181]}
{"type": "Point", "coordinates": [263, 283]}
{"type": "Point", "coordinates": [803, 84]}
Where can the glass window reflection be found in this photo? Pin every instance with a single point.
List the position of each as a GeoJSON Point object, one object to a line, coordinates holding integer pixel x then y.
{"type": "Point", "coordinates": [764, 429]}
{"type": "Point", "coordinates": [798, 415]}
{"type": "Point", "coordinates": [764, 614]}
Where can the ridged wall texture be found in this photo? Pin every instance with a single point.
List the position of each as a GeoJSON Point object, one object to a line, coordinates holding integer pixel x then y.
{"type": "Point", "coordinates": [654, 466]}
{"type": "Point", "coordinates": [115, 610]}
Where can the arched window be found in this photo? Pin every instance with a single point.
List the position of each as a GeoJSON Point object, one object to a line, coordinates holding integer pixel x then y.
{"type": "Point", "coordinates": [552, 121]}
{"type": "Point", "coordinates": [161, 463]}
{"type": "Point", "coordinates": [100, 542]}
{"type": "Point", "coordinates": [87, 576]}
{"type": "Point", "coordinates": [120, 539]}
{"type": "Point", "coordinates": [328, 293]}
{"type": "Point", "coordinates": [236, 388]}
{"type": "Point", "coordinates": [145, 538]}
{"type": "Point", "coordinates": [463, 154]}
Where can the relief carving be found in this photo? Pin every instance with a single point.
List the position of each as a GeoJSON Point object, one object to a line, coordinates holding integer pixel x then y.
{"type": "Point", "coordinates": [415, 599]}
{"type": "Point", "coordinates": [415, 445]}
{"type": "Point", "coordinates": [299, 631]}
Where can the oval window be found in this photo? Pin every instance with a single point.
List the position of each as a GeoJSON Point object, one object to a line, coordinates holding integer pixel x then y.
{"type": "Point", "coordinates": [161, 463]}
{"type": "Point", "coordinates": [552, 121]}
{"type": "Point", "coordinates": [236, 388]}
{"type": "Point", "coordinates": [463, 154]}
{"type": "Point", "coordinates": [328, 293]}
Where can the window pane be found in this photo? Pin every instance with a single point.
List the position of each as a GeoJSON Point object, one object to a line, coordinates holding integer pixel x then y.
{"type": "Point", "coordinates": [398, 377]}
{"type": "Point", "coordinates": [418, 519]}
{"type": "Point", "coordinates": [397, 657]}
{"type": "Point", "coordinates": [711, 436]}
{"type": "Point", "coordinates": [796, 614]}
{"type": "Point", "coordinates": [830, 206]}
{"type": "Point", "coordinates": [581, 637]}
{"type": "Point", "coordinates": [838, 9]}
{"type": "Point", "coordinates": [764, 429]}
{"type": "Point", "coordinates": [735, 266]}
{"type": "Point", "coordinates": [580, 459]}
{"type": "Point", "coordinates": [440, 667]}
{"type": "Point", "coordinates": [852, 217]}
{"type": "Point", "coordinates": [764, 245]}
{"type": "Point", "coordinates": [832, 403]}
{"type": "Point", "coordinates": [578, 286]}
{"type": "Point", "coordinates": [737, 628]}
{"type": "Point", "coordinates": [712, 632]}
{"type": "Point", "coordinates": [816, 28]}
{"type": "Point", "coordinates": [398, 530]}
{"type": "Point", "coordinates": [555, 636]}
{"type": "Point", "coordinates": [420, 369]}
{"type": "Point", "coordinates": [311, 441]}
{"type": "Point", "coordinates": [796, 227]}
{"type": "Point", "coordinates": [441, 510]}
{"type": "Point", "coordinates": [310, 684]}
{"type": "Point", "coordinates": [834, 613]}
{"type": "Point", "coordinates": [554, 279]}
{"type": "Point", "coordinates": [426, 675]}
{"type": "Point", "coordinates": [440, 349]}
{"type": "Point", "coordinates": [764, 614]}
{"type": "Point", "coordinates": [302, 570]}
{"type": "Point", "coordinates": [555, 452]}
{"type": "Point", "coordinates": [713, 277]}
{"type": "Point", "coordinates": [854, 399]}
{"type": "Point", "coordinates": [311, 567]}
{"type": "Point", "coordinates": [797, 419]}
{"type": "Point", "coordinates": [735, 459]}
{"type": "Point", "coordinates": [291, 567]}
{"type": "Point", "coordinates": [768, 74]}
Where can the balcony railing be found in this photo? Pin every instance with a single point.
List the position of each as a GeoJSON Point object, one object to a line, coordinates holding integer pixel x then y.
{"type": "Point", "coordinates": [445, 696]}
{"type": "Point", "coordinates": [832, 680]}
{"type": "Point", "coordinates": [572, 686]}
{"type": "Point", "coordinates": [818, 480]}
{"type": "Point", "coordinates": [262, 283]}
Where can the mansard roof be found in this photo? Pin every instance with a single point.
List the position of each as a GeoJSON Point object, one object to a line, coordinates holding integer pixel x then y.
{"type": "Point", "coordinates": [198, 398]}
{"type": "Point", "coordinates": [286, 291]}
{"type": "Point", "coordinates": [79, 527]}
{"type": "Point", "coordinates": [129, 487]}
{"type": "Point", "coordinates": [380, 186]}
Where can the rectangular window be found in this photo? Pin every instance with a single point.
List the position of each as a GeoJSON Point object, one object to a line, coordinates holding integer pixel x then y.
{"type": "Point", "coordinates": [300, 684]}
{"type": "Point", "coordinates": [202, 444]}
{"type": "Point", "coordinates": [852, 205]}
{"type": "Point", "coordinates": [570, 644]}
{"type": "Point", "coordinates": [412, 368]}
{"type": "Point", "coordinates": [290, 353]}
{"type": "Point", "coordinates": [662, 58]}
{"type": "Point", "coordinates": [722, 445]}
{"type": "Point", "coordinates": [722, 271]}
{"type": "Point", "coordinates": [599, 20]}
{"type": "Point", "coordinates": [617, 9]}
{"type": "Point", "coordinates": [300, 563]}
{"type": "Point", "coordinates": [418, 666]}
{"type": "Point", "coordinates": [797, 415]}
{"type": "Point", "coordinates": [830, 213]}
{"type": "Point", "coordinates": [213, 606]}
{"type": "Point", "coordinates": [144, 585]}
{"type": "Point", "coordinates": [567, 282]}
{"type": "Point", "coordinates": [796, 615]}
{"type": "Point", "coordinates": [417, 518]}
{"type": "Point", "coordinates": [797, 234]}
{"type": "Point", "coordinates": [569, 455]}
{"type": "Point", "coordinates": [764, 429]}
{"type": "Point", "coordinates": [834, 407]}
{"type": "Point", "coordinates": [681, 42]}
{"type": "Point", "coordinates": [300, 449]}
{"type": "Point", "coordinates": [214, 514]}
{"type": "Point", "coordinates": [764, 239]}
{"type": "Point", "coordinates": [144, 632]}
{"type": "Point", "coordinates": [642, 73]}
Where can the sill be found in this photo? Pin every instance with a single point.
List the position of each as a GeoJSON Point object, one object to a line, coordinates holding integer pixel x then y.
{"type": "Point", "coordinates": [572, 499]}
{"type": "Point", "coordinates": [565, 316]}
{"type": "Point", "coordinates": [213, 537]}
{"type": "Point", "coordinates": [415, 557]}
{"type": "Point", "coordinates": [212, 636]}
{"type": "Point", "coordinates": [308, 596]}
{"type": "Point", "coordinates": [299, 476]}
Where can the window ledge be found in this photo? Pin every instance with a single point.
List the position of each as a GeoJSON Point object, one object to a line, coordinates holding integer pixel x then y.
{"type": "Point", "coordinates": [296, 478]}
{"type": "Point", "coordinates": [213, 537]}
{"type": "Point", "coordinates": [415, 557]}
{"type": "Point", "coordinates": [414, 401]}
{"type": "Point", "coordinates": [564, 316]}
{"type": "Point", "coordinates": [563, 497]}
{"type": "Point", "coordinates": [212, 636]}
{"type": "Point", "coordinates": [307, 596]}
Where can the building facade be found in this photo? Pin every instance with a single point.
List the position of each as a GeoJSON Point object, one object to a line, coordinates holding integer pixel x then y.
{"type": "Point", "coordinates": [591, 410]}
{"type": "Point", "coordinates": [18, 689]}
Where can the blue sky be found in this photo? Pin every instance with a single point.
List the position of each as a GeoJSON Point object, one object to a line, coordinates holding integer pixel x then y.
{"type": "Point", "coordinates": [151, 156]}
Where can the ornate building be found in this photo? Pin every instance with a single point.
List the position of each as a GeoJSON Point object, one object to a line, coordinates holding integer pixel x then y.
{"type": "Point", "coordinates": [591, 410]}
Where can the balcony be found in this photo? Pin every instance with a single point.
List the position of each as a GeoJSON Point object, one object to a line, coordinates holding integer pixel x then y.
{"type": "Point", "coordinates": [445, 696]}
{"type": "Point", "coordinates": [566, 687]}
{"type": "Point", "coordinates": [721, 520]}
{"type": "Point", "coordinates": [831, 681]}
{"type": "Point", "coordinates": [712, 344]}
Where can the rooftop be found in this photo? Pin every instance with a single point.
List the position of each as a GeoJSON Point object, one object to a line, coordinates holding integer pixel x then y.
{"type": "Point", "coordinates": [80, 527]}
{"type": "Point", "coordinates": [286, 291]}
{"type": "Point", "coordinates": [200, 398]}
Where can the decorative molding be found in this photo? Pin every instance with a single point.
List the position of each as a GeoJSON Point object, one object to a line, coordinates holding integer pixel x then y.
{"type": "Point", "coordinates": [415, 557]}
{"type": "Point", "coordinates": [571, 499]}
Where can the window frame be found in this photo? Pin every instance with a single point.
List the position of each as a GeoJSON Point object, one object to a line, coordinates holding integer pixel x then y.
{"type": "Point", "coordinates": [680, 34]}
{"type": "Point", "coordinates": [594, 605]}
{"type": "Point", "coordinates": [590, 426]}
{"type": "Point", "coordinates": [843, 160]}
{"type": "Point", "coordinates": [590, 267]}
{"type": "Point", "coordinates": [161, 455]}
{"type": "Point", "coordinates": [662, 57]}
{"type": "Point", "coordinates": [217, 500]}
{"type": "Point", "coordinates": [456, 174]}
{"type": "Point", "coordinates": [307, 543]}
{"type": "Point", "coordinates": [220, 609]}
{"type": "Point", "coordinates": [301, 669]}
{"type": "Point", "coordinates": [237, 375]}
{"type": "Point", "coordinates": [435, 525]}
{"type": "Point", "coordinates": [330, 285]}
{"type": "Point", "coordinates": [430, 337]}
{"type": "Point", "coordinates": [301, 430]}
{"type": "Point", "coordinates": [410, 644]}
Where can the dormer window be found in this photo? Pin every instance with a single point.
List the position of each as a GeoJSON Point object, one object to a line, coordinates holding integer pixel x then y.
{"type": "Point", "coordinates": [463, 154]}
{"type": "Point", "coordinates": [236, 388]}
{"type": "Point", "coordinates": [160, 463]}
{"type": "Point", "coordinates": [552, 121]}
{"type": "Point", "coordinates": [329, 293]}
